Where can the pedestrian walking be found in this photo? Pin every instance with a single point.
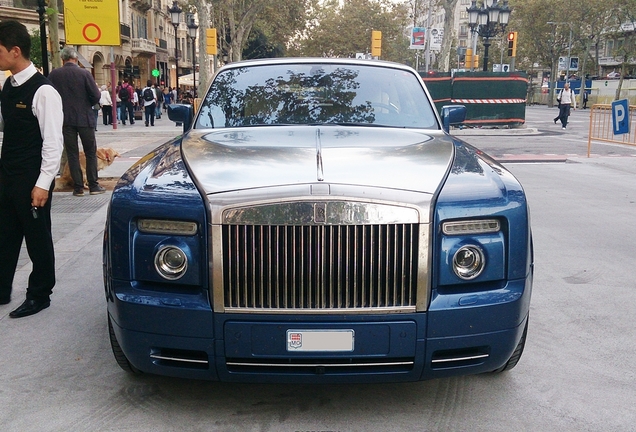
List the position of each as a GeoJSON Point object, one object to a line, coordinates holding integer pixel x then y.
{"type": "Point", "coordinates": [150, 103]}
{"type": "Point", "coordinates": [79, 94]}
{"type": "Point", "coordinates": [126, 94]}
{"type": "Point", "coordinates": [31, 119]}
{"type": "Point", "coordinates": [106, 102]}
{"type": "Point", "coordinates": [167, 98]}
{"type": "Point", "coordinates": [566, 101]}
{"type": "Point", "coordinates": [159, 100]}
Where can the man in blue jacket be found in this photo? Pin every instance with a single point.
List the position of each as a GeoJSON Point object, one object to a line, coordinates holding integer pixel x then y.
{"type": "Point", "coordinates": [79, 94]}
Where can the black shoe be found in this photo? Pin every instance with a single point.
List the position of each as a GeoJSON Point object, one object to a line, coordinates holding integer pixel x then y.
{"type": "Point", "coordinates": [78, 192]}
{"type": "Point", "coordinates": [146, 124]}
{"type": "Point", "coordinates": [30, 307]}
{"type": "Point", "coordinates": [97, 190]}
{"type": "Point", "coordinates": [5, 300]}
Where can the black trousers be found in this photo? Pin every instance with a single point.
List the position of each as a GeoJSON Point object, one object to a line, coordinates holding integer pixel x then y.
{"type": "Point", "coordinates": [107, 114]}
{"type": "Point", "coordinates": [127, 107]}
{"type": "Point", "coordinates": [17, 224]}
{"type": "Point", "coordinates": [87, 135]}
{"type": "Point", "coordinates": [564, 114]}
{"type": "Point", "coordinates": [149, 112]}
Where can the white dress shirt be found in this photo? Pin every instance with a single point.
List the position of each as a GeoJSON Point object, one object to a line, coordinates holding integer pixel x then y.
{"type": "Point", "coordinates": [567, 97]}
{"type": "Point", "coordinates": [47, 108]}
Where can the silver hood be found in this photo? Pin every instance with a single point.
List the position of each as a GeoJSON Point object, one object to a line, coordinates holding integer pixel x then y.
{"type": "Point", "coordinates": [256, 157]}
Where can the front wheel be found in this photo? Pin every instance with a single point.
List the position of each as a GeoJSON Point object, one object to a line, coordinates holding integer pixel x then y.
{"type": "Point", "coordinates": [516, 355]}
{"type": "Point", "coordinates": [121, 358]}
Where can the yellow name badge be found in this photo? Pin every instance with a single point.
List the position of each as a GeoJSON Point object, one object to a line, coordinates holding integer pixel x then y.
{"type": "Point", "coordinates": [20, 105]}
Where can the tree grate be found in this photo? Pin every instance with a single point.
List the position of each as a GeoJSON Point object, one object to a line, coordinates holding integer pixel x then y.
{"type": "Point", "coordinates": [67, 203]}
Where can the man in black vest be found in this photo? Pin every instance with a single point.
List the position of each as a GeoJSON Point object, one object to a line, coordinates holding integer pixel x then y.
{"type": "Point", "coordinates": [32, 120]}
{"type": "Point", "coordinates": [79, 94]}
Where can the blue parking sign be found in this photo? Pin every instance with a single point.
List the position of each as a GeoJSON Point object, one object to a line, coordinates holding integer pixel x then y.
{"type": "Point", "coordinates": [620, 117]}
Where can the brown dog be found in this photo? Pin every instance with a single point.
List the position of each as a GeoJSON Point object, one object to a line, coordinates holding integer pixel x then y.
{"type": "Point", "coordinates": [105, 157]}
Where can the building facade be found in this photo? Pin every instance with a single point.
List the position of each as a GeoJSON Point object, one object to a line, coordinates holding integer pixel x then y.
{"type": "Point", "coordinates": [147, 42]}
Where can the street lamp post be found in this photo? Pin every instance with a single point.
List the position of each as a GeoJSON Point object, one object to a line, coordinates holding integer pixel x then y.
{"type": "Point", "coordinates": [175, 16]}
{"type": "Point", "coordinates": [192, 32]}
{"type": "Point", "coordinates": [488, 20]}
{"type": "Point", "coordinates": [43, 44]}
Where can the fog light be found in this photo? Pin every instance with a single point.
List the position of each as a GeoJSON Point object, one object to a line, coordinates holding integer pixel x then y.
{"type": "Point", "coordinates": [171, 262]}
{"type": "Point", "coordinates": [468, 262]}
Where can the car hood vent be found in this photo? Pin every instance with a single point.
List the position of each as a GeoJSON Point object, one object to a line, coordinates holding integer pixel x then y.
{"type": "Point", "coordinates": [267, 156]}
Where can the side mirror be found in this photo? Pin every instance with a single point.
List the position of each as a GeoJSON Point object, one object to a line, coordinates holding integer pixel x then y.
{"type": "Point", "coordinates": [452, 114]}
{"type": "Point", "coordinates": [181, 113]}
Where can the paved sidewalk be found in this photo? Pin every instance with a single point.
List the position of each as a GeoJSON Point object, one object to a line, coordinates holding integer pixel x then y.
{"type": "Point", "coordinates": [77, 221]}
{"type": "Point", "coordinates": [133, 142]}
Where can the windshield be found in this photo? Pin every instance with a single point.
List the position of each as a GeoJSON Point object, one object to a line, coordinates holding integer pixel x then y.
{"type": "Point", "coordinates": [316, 93]}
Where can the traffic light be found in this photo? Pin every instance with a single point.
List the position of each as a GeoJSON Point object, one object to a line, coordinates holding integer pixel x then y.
{"type": "Point", "coordinates": [476, 61]}
{"type": "Point", "coordinates": [376, 43]}
{"type": "Point", "coordinates": [512, 44]}
{"type": "Point", "coordinates": [210, 36]}
{"type": "Point", "coordinates": [468, 60]}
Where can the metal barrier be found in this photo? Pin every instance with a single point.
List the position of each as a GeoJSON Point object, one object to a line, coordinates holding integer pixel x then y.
{"type": "Point", "coordinates": [601, 128]}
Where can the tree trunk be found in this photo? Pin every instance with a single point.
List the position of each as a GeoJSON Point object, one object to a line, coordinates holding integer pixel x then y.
{"type": "Point", "coordinates": [204, 75]}
{"type": "Point", "coordinates": [53, 15]}
{"type": "Point", "coordinates": [620, 81]}
{"type": "Point", "coordinates": [553, 73]}
{"type": "Point", "coordinates": [587, 52]}
{"type": "Point", "coordinates": [449, 34]}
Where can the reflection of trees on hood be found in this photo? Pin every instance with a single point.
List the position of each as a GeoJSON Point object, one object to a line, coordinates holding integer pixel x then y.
{"type": "Point", "coordinates": [466, 161]}
{"type": "Point", "coordinates": [299, 98]}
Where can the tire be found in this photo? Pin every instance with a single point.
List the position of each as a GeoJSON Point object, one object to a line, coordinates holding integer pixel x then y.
{"type": "Point", "coordinates": [516, 354]}
{"type": "Point", "coordinates": [121, 358]}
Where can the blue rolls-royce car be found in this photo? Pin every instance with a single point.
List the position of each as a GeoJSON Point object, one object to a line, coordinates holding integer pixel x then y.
{"type": "Point", "coordinates": [316, 223]}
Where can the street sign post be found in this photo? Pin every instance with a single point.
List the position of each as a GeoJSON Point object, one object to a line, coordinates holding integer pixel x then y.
{"type": "Point", "coordinates": [620, 117]}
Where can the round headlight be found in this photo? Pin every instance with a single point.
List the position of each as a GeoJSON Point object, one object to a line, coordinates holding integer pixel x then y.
{"type": "Point", "coordinates": [468, 262]}
{"type": "Point", "coordinates": [171, 262]}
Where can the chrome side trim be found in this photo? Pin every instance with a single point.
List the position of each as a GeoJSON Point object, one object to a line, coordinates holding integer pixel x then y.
{"type": "Point", "coordinates": [178, 359]}
{"type": "Point", "coordinates": [325, 365]}
{"type": "Point", "coordinates": [216, 268]}
{"type": "Point", "coordinates": [424, 263]}
{"type": "Point", "coordinates": [458, 359]}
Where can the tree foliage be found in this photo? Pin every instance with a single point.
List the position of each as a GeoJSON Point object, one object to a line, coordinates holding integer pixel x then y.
{"type": "Point", "coordinates": [235, 19]}
{"type": "Point", "coordinates": [36, 49]}
{"type": "Point", "coordinates": [343, 28]}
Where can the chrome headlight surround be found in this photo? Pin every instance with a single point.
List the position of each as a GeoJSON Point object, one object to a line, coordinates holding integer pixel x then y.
{"type": "Point", "coordinates": [469, 262]}
{"type": "Point", "coordinates": [171, 262]}
{"type": "Point", "coordinates": [471, 226]}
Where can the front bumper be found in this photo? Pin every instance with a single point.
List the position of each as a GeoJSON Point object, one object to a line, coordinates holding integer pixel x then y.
{"type": "Point", "coordinates": [184, 338]}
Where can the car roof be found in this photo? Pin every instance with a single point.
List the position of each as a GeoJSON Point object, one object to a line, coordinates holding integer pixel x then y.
{"type": "Point", "coordinates": [310, 60]}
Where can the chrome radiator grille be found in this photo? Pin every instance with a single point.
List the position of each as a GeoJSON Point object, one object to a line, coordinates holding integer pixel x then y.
{"type": "Point", "coordinates": [320, 267]}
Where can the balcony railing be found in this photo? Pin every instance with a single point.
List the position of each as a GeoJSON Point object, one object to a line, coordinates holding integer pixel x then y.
{"type": "Point", "coordinates": [614, 61]}
{"type": "Point", "coordinates": [141, 5]}
{"type": "Point", "coordinates": [143, 46]}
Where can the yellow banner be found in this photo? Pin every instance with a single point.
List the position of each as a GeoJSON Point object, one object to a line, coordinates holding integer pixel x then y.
{"type": "Point", "coordinates": [92, 22]}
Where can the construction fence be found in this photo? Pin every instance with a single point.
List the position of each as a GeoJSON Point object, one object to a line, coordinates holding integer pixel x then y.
{"type": "Point", "coordinates": [491, 98]}
{"type": "Point", "coordinates": [602, 129]}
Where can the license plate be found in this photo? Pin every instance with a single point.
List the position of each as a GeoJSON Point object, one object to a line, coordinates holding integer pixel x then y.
{"type": "Point", "coordinates": [320, 340]}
